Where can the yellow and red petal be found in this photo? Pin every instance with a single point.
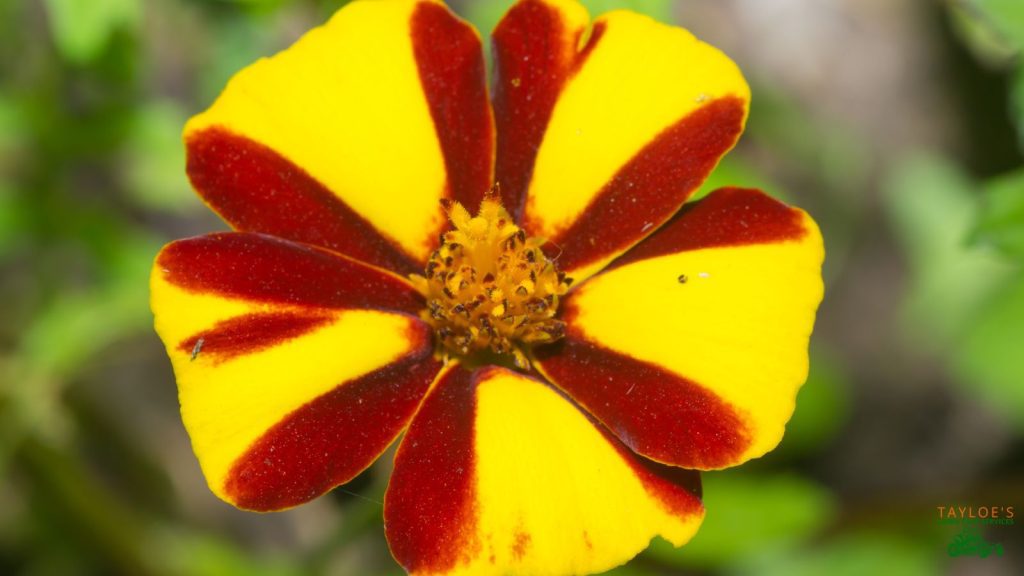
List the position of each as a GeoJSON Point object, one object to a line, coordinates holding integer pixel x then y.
{"type": "Point", "coordinates": [296, 366]}
{"type": "Point", "coordinates": [350, 138]}
{"type": "Point", "coordinates": [535, 53]}
{"type": "Point", "coordinates": [691, 348]}
{"type": "Point", "coordinates": [501, 474]}
{"type": "Point", "coordinates": [598, 151]}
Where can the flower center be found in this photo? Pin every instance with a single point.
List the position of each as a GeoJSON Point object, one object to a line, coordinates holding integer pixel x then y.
{"type": "Point", "coordinates": [489, 287]}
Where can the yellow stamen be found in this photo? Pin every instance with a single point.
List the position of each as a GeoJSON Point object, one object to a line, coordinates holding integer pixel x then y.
{"type": "Point", "coordinates": [490, 287]}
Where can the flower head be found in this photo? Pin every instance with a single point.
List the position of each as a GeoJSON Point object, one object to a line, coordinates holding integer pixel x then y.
{"type": "Point", "coordinates": [509, 281]}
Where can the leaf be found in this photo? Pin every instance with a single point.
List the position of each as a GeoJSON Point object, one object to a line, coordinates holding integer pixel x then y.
{"type": "Point", "coordinates": [821, 407]}
{"type": "Point", "coordinates": [933, 208]}
{"type": "Point", "coordinates": [853, 555]}
{"type": "Point", "coordinates": [975, 30]}
{"type": "Point", "coordinates": [154, 159]}
{"type": "Point", "coordinates": [989, 358]}
{"type": "Point", "coordinates": [1001, 222]}
{"type": "Point", "coordinates": [78, 325]}
{"type": "Point", "coordinates": [1006, 17]}
{"type": "Point", "coordinates": [734, 171]}
{"type": "Point", "coordinates": [486, 15]}
{"type": "Point", "coordinates": [200, 555]}
{"type": "Point", "coordinates": [749, 514]}
{"type": "Point", "coordinates": [660, 10]}
{"type": "Point", "coordinates": [12, 219]}
{"type": "Point", "coordinates": [82, 28]}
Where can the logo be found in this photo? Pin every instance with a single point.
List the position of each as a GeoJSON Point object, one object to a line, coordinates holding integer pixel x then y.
{"type": "Point", "coordinates": [969, 540]}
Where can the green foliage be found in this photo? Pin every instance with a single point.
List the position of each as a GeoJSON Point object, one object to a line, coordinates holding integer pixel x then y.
{"type": "Point", "coordinates": [852, 555]}
{"type": "Point", "coordinates": [735, 171]}
{"type": "Point", "coordinates": [751, 514]}
{"type": "Point", "coordinates": [989, 358]}
{"type": "Point", "coordinates": [821, 407]}
{"type": "Point", "coordinates": [933, 208]}
{"type": "Point", "coordinates": [1001, 221]}
{"type": "Point", "coordinates": [82, 28]}
{"type": "Point", "coordinates": [201, 555]}
{"type": "Point", "coordinates": [154, 155]}
{"type": "Point", "coordinates": [660, 10]}
{"type": "Point", "coordinates": [486, 15]}
{"type": "Point", "coordinates": [1006, 17]}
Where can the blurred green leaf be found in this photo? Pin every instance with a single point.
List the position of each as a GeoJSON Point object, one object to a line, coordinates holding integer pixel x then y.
{"type": "Point", "coordinates": [734, 171]}
{"type": "Point", "coordinates": [12, 127]}
{"type": "Point", "coordinates": [199, 555]}
{"type": "Point", "coordinates": [660, 10]}
{"type": "Point", "coordinates": [629, 570]}
{"type": "Point", "coordinates": [821, 407]}
{"type": "Point", "coordinates": [1001, 222]}
{"type": "Point", "coordinates": [77, 326]}
{"type": "Point", "coordinates": [11, 219]}
{"type": "Point", "coordinates": [486, 15]}
{"type": "Point", "coordinates": [155, 159]}
{"type": "Point", "coordinates": [974, 28]}
{"type": "Point", "coordinates": [852, 555]}
{"type": "Point", "coordinates": [1006, 17]}
{"type": "Point", "coordinates": [82, 28]}
{"type": "Point", "coordinates": [989, 358]}
{"type": "Point", "coordinates": [72, 331]}
{"type": "Point", "coordinates": [932, 206]}
{"type": "Point", "coordinates": [749, 514]}
{"type": "Point", "coordinates": [239, 42]}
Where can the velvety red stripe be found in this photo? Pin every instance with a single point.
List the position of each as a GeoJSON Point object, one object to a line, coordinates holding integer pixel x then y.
{"type": "Point", "coordinates": [250, 333]}
{"type": "Point", "coordinates": [333, 438]}
{"type": "Point", "coordinates": [726, 217]}
{"type": "Point", "coordinates": [652, 186]}
{"type": "Point", "coordinates": [255, 189]}
{"type": "Point", "coordinates": [534, 55]}
{"type": "Point", "coordinates": [678, 489]}
{"type": "Point", "coordinates": [454, 79]}
{"type": "Point", "coordinates": [654, 412]}
{"type": "Point", "coordinates": [430, 511]}
{"type": "Point", "coordinates": [267, 269]}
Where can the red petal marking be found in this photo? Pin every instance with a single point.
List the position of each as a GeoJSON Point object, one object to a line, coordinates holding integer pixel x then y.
{"type": "Point", "coordinates": [266, 269]}
{"type": "Point", "coordinates": [250, 333]}
{"type": "Point", "coordinates": [430, 509]}
{"type": "Point", "coordinates": [532, 61]}
{"type": "Point", "coordinates": [520, 544]}
{"type": "Point", "coordinates": [726, 217]}
{"type": "Point", "coordinates": [333, 438]}
{"type": "Point", "coordinates": [452, 71]}
{"type": "Point", "coordinates": [652, 186]}
{"type": "Point", "coordinates": [656, 413]}
{"type": "Point", "coordinates": [678, 489]}
{"type": "Point", "coordinates": [255, 189]}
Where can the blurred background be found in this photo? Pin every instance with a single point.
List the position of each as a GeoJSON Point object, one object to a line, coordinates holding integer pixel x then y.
{"type": "Point", "coordinates": [898, 124]}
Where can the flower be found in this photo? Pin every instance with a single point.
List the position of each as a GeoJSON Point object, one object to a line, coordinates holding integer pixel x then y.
{"type": "Point", "coordinates": [512, 281]}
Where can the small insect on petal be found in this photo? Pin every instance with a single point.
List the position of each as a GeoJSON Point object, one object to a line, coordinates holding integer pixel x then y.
{"type": "Point", "coordinates": [197, 348]}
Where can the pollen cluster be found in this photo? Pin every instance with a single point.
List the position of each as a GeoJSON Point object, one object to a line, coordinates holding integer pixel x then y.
{"type": "Point", "coordinates": [490, 287]}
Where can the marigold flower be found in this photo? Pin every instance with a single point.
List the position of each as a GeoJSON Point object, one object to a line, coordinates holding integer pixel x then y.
{"type": "Point", "coordinates": [511, 280]}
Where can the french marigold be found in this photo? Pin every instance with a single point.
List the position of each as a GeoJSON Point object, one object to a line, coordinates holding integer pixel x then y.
{"type": "Point", "coordinates": [512, 280]}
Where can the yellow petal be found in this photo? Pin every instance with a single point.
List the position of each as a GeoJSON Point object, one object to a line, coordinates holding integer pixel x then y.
{"type": "Point", "coordinates": [500, 474]}
{"type": "Point", "coordinates": [693, 346]}
{"type": "Point", "coordinates": [623, 128]}
{"type": "Point", "coordinates": [375, 116]}
{"type": "Point", "coordinates": [292, 375]}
